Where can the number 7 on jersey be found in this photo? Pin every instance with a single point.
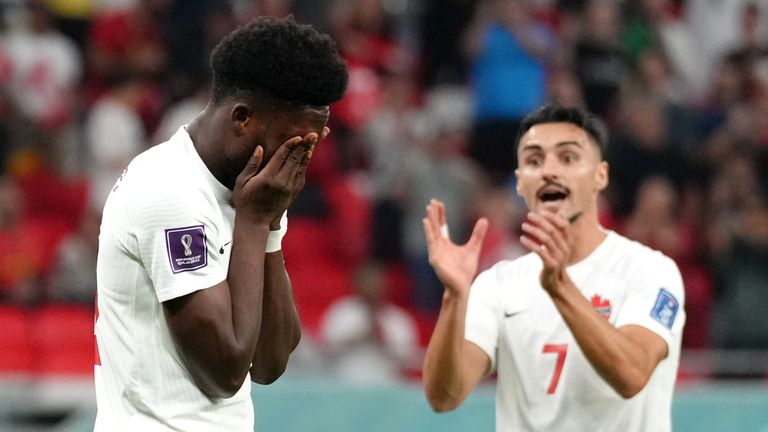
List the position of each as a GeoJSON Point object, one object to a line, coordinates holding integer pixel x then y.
{"type": "Point", "coordinates": [561, 350]}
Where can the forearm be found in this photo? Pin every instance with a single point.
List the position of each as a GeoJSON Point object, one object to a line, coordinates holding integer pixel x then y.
{"type": "Point", "coordinates": [443, 368]}
{"type": "Point", "coordinates": [620, 361]}
{"type": "Point", "coordinates": [280, 329]}
{"type": "Point", "coordinates": [246, 286]}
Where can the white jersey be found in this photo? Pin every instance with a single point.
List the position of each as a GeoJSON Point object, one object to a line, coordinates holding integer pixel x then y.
{"type": "Point", "coordinates": [545, 383]}
{"type": "Point", "coordinates": [166, 232]}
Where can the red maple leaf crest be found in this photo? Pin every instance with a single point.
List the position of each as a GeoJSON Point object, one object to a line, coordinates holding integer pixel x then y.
{"type": "Point", "coordinates": [602, 306]}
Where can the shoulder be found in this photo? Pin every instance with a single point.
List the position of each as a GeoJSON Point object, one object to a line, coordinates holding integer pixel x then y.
{"type": "Point", "coordinates": [155, 169]}
{"type": "Point", "coordinates": [167, 165]}
{"type": "Point", "coordinates": [641, 256]}
{"type": "Point", "coordinates": [161, 180]}
{"type": "Point", "coordinates": [647, 268]}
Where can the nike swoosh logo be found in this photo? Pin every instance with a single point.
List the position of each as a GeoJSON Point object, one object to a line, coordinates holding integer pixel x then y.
{"type": "Point", "coordinates": [511, 314]}
{"type": "Point", "coordinates": [221, 250]}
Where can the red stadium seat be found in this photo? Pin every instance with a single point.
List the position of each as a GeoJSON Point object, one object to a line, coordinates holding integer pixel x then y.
{"type": "Point", "coordinates": [15, 347]}
{"type": "Point", "coordinates": [317, 275]}
{"type": "Point", "coordinates": [62, 340]}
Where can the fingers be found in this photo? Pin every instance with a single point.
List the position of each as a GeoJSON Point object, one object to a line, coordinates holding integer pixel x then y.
{"type": "Point", "coordinates": [428, 234]}
{"type": "Point", "coordinates": [324, 134]}
{"type": "Point", "coordinates": [478, 234]}
{"type": "Point", "coordinates": [291, 161]}
{"type": "Point", "coordinates": [286, 154]}
{"type": "Point", "coordinates": [444, 231]}
{"type": "Point", "coordinates": [441, 222]}
{"type": "Point", "coordinates": [311, 142]}
{"type": "Point", "coordinates": [297, 151]}
{"type": "Point", "coordinates": [440, 213]}
{"type": "Point", "coordinates": [436, 226]}
{"type": "Point", "coordinates": [299, 171]}
{"type": "Point", "coordinates": [433, 228]}
{"type": "Point", "coordinates": [541, 250]}
{"type": "Point", "coordinates": [546, 234]}
{"type": "Point", "coordinates": [308, 144]}
{"type": "Point", "coordinates": [432, 231]}
{"type": "Point", "coordinates": [252, 166]}
{"type": "Point", "coordinates": [436, 218]}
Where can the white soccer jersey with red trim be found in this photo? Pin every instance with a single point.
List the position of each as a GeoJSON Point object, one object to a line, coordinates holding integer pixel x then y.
{"type": "Point", "coordinates": [166, 232]}
{"type": "Point", "coordinates": [544, 381]}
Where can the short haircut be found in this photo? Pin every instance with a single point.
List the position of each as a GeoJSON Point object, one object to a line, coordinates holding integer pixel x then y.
{"type": "Point", "coordinates": [555, 113]}
{"type": "Point", "coordinates": [279, 62]}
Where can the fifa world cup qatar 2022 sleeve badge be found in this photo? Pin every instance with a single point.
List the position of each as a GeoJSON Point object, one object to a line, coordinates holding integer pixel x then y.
{"type": "Point", "coordinates": [187, 249]}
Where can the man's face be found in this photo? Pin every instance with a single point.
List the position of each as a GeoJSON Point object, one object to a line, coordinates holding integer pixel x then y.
{"type": "Point", "coordinates": [270, 131]}
{"type": "Point", "coordinates": [284, 126]}
{"type": "Point", "coordinates": [560, 169]}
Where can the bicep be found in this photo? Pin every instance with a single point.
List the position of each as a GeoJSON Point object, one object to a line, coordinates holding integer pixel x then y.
{"type": "Point", "coordinates": [202, 313]}
{"type": "Point", "coordinates": [477, 364]}
{"type": "Point", "coordinates": [653, 313]}
{"type": "Point", "coordinates": [481, 331]}
{"type": "Point", "coordinates": [200, 324]}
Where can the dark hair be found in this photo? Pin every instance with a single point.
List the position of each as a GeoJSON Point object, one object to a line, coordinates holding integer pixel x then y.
{"type": "Point", "coordinates": [278, 62]}
{"type": "Point", "coordinates": [555, 113]}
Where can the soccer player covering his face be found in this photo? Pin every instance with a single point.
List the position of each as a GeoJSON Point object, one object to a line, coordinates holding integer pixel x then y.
{"type": "Point", "coordinates": [584, 332]}
{"type": "Point", "coordinates": [194, 301]}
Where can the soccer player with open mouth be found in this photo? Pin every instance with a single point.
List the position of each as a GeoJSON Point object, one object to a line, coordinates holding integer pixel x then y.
{"type": "Point", "coordinates": [584, 332]}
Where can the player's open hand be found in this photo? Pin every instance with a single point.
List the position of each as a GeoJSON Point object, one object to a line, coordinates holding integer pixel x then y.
{"type": "Point", "coordinates": [546, 234]}
{"type": "Point", "coordinates": [455, 265]}
{"type": "Point", "coordinates": [265, 194]}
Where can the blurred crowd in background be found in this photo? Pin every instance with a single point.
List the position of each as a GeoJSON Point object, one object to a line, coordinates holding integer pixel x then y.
{"type": "Point", "coordinates": [437, 89]}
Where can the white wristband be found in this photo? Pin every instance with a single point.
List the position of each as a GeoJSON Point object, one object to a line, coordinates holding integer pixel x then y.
{"type": "Point", "coordinates": [275, 238]}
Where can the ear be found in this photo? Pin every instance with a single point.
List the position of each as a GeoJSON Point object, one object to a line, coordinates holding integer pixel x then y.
{"type": "Point", "coordinates": [519, 188]}
{"type": "Point", "coordinates": [601, 176]}
{"type": "Point", "coordinates": [240, 116]}
{"type": "Point", "coordinates": [517, 181]}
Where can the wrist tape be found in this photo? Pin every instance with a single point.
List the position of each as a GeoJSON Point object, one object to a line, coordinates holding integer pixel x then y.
{"type": "Point", "coordinates": [275, 238]}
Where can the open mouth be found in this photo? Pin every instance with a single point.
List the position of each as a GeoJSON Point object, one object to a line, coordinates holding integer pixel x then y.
{"type": "Point", "coordinates": [553, 196]}
{"type": "Point", "coordinates": [552, 193]}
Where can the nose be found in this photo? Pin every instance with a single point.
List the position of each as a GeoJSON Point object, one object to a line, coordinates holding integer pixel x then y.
{"type": "Point", "coordinates": [550, 167]}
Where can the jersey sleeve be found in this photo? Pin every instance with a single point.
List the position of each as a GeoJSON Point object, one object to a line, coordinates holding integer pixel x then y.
{"type": "Point", "coordinates": [482, 325]}
{"type": "Point", "coordinates": [179, 243]}
{"type": "Point", "coordinates": [656, 299]}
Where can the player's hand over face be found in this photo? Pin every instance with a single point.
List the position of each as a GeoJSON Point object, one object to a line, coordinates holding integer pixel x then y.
{"type": "Point", "coordinates": [546, 234]}
{"type": "Point", "coordinates": [264, 195]}
{"type": "Point", "coordinates": [455, 265]}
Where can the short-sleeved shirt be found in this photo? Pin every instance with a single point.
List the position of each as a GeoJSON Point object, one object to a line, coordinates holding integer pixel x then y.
{"type": "Point", "coordinates": [545, 383]}
{"type": "Point", "coordinates": [166, 232]}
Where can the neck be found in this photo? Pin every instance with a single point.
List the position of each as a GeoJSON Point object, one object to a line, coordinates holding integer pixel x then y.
{"type": "Point", "coordinates": [586, 235]}
{"type": "Point", "coordinates": [207, 141]}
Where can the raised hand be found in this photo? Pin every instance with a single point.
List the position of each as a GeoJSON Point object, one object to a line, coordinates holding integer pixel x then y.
{"type": "Point", "coordinates": [265, 194]}
{"type": "Point", "coordinates": [546, 234]}
{"type": "Point", "coordinates": [455, 265]}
